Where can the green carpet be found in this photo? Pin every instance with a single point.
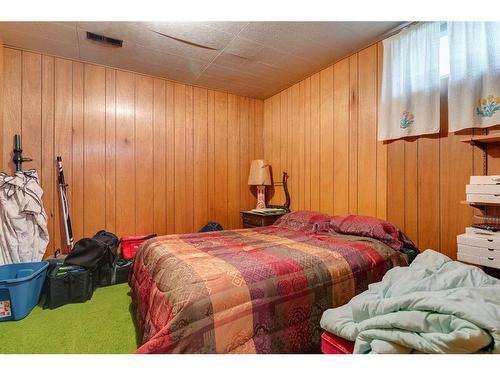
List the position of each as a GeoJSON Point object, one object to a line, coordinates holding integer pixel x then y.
{"type": "Point", "coordinates": [102, 325]}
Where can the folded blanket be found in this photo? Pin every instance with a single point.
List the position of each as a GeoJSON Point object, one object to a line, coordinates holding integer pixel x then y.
{"type": "Point", "coordinates": [435, 305]}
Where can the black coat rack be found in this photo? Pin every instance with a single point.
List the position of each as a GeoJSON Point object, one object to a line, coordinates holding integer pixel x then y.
{"type": "Point", "coordinates": [18, 158]}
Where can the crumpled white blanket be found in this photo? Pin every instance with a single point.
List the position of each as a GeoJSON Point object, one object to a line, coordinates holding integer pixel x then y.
{"type": "Point", "coordinates": [23, 229]}
{"type": "Point", "coordinates": [435, 305]}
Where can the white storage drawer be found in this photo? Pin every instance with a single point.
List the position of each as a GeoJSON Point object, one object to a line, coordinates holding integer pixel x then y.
{"type": "Point", "coordinates": [479, 251]}
{"type": "Point", "coordinates": [482, 189]}
{"type": "Point", "coordinates": [489, 243]}
{"type": "Point", "coordinates": [489, 262]}
{"type": "Point", "coordinates": [476, 232]}
{"type": "Point", "coordinates": [485, 180]}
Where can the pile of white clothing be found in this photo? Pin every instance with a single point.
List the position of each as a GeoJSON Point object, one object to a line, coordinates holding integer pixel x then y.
{"type": "Point", "coordinates": [23, 229]}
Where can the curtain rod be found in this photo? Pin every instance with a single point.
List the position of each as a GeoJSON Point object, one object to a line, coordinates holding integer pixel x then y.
{"type": "Point", "coordinates": [397, 29]}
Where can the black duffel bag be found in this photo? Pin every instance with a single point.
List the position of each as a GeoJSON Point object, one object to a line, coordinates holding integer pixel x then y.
{"type": "Point", "coordinates": [116, 273]}
{"type": "Point", "coordinates": [67, 284]}
{"type": "Point", "coordinates": [94, 253]}
{"type": "Point", "coordinates": [74, 278]}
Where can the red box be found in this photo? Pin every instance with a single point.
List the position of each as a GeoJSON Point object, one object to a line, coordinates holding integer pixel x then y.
{"type": "Point", "coordinates": [332, 344]}
{"type": "Point", "coordinates": [130, 244]}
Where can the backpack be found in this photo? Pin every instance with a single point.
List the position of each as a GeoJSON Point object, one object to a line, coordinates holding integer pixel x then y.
{"type": "Point", "coordinates": [211, 227]}
{"type": "Point", "coordinates": [108, 238]}
{"type": "Point", "coordinates": [94, 253]}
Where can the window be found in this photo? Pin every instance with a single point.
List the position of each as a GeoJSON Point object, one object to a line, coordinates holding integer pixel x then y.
{"type": "Point", "coordinates": [444, 52]}
{"type": "Point", "coordinates": [410, 93]}
{"type": "Point", "coordinates": [474, 75]}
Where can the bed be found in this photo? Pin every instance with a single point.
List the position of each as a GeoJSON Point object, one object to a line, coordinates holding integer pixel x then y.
{"type": "Point", "coordinates": [258, 290]}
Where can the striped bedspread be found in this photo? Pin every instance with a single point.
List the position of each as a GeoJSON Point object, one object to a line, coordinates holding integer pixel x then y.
{"type": "Point", "coordinates": [260, 290]}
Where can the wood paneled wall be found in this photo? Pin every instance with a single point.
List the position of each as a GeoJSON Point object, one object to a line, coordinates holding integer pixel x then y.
{"type": "Point", "coordinates": [322, 131]}
{"type": "Point", "coordinates": [426, 182]}
{"type": "Point", "coordinates": [141, 154]}
{"type": "Point", "coordinates": [144, 154]}
{"type": "Point", "coordinates": [1, 100]}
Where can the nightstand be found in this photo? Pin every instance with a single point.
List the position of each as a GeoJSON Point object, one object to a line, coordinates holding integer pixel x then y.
{"type": "Point", "coordinates": [252, 219]}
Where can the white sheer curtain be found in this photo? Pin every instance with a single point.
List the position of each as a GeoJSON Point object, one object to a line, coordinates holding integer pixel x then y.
{"type": "Point", "coordinates": [474, 81]}
{"type": "Point", "coordinates": [409, 103]}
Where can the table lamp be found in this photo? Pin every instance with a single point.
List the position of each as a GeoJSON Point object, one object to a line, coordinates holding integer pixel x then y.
{"type": "Point", "coordinates": [260, 176]}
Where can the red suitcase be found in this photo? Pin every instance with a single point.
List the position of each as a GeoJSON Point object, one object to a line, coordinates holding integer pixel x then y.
{"type": "Point", "coordinates": [130, 244]}
{"type": "Point", "coordinates": [332, 344]}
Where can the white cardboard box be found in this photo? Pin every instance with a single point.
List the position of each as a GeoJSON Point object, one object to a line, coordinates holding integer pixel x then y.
{"type": "Point", "coordinates": [485, 180]}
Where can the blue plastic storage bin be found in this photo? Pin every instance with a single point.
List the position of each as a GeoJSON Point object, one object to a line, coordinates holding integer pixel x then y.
{"type": "Point", "coordinates": [20, 288]}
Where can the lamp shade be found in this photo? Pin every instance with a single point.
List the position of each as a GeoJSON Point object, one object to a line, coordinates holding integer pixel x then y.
{"type": "Point", "coordinates": [260, 173]}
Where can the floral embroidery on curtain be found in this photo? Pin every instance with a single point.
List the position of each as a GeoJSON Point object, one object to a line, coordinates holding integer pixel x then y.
{"type": "Point", "coordinates": [474, 81]}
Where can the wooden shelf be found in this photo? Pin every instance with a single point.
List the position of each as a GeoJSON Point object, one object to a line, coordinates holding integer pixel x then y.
{"type": "Point", "coordinates": [480, 204]}
{"type": "Point", "coordinates": [490, 138]}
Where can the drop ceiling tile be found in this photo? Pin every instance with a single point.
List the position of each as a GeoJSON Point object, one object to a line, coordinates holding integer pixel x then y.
{"type": "Point", "coordinates": [257, 77]}
{"type": "Point", "coordinates": [33, 42]}
{"type": "Point", "coordinates": [218, 84]}
{"type": "Point", "coordinates": [140, 33]}
{"type": "Point", "coordinates": [275, 35]}
{"type": "Point", "coordinates": [193, 32]}
{"type": "Point", "coordinates": [55, 31]}
{"type": "Point", "coordinates": [207, 79]}
{"type": "Point", "coordinates": [313, 30]}
{"type": "Point", "coordinates": [171, 73]}
{"type": "Point", "coordinates": [267, 34]}
{"type": "Point", "coordinates": [229, 60]}
{"type": "Point", "coordinates": [229, 26]}
{"type": "Point", "coordinates": [371, 29]}
{"type": "Point", "coordinates": [321, 44]}
{"type": "Point", "coordinates": [136, 54]}
{"type": "Point", "coordinates": [224, 73]}
{"type": "Point", "coordinates": [292, 64]}
{"type": "Point", "coordinates": [247, 49]}
{"type": "Point", "coordinates": [332, 35]}
{"type": "Point", "coordinates": [256, 52]}
{"type": "Point", "coordinates": [260, 69]}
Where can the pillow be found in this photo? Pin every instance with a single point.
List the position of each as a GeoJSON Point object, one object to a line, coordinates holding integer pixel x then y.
{"type": "Point", "coordinates": [367, 226]}
{"type": "Point", "coordinates": [304, 220]}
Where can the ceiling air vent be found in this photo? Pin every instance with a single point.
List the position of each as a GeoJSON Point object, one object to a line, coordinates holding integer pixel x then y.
{"type": "Point", "coordinates": [104, 40]}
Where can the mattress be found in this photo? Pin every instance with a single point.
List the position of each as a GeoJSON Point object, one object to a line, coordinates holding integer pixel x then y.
{"type": "Point", "coordinates": [332, 344]}
{"type": "Point", "coordinates": [258, 290]}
